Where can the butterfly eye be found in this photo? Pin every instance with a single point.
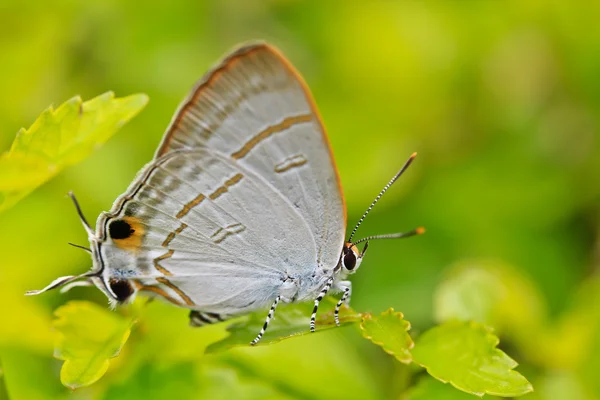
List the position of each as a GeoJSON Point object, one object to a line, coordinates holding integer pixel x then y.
{"type": "Point", "coordinates": [349, 260]}
{"type": "Point", "coordinates": [121, 288]}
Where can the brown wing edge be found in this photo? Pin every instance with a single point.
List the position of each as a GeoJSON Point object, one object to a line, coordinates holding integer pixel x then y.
{"type": "Point", "coordinates": [227, 63]}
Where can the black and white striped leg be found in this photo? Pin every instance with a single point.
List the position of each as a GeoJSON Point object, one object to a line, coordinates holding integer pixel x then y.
{"type": "Point", "coordinates": [346, 286]}
{"type": "Point", "coordinates": [322, 294]}
{"type": "Point", "coordinates": [269, 318]}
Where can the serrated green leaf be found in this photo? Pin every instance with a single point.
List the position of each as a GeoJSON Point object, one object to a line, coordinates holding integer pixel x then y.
{"type": "Point", "coordinates": [389, 330]}
{"type": "Point", "coordinates": [61, 138]}
{"type": "Point", "coordinates": [88, 336]}
{"type": "Point", "coordinates": [290, 320]}
{"type": "Point", "coordinates": [465, 354]}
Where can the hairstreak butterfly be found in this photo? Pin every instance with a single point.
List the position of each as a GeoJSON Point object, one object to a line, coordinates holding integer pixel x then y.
{"type": "Point", "coordinates": [241, 207]}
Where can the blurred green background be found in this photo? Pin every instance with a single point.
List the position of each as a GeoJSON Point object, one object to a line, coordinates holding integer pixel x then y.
{"type": "Point", "coordinates": [500, 99]}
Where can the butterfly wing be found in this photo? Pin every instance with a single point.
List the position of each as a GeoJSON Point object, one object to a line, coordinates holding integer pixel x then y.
{"type": "Point", "coordinates": [256, 108]}
{"type": "Point", "coordinates": [243, 193]}
{"type": "Point", "coordinates": [206, 233]}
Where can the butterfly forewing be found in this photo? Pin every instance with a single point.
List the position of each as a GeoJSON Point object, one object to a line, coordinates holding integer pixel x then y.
{"type": "Point", "coordinates": [255, 108]}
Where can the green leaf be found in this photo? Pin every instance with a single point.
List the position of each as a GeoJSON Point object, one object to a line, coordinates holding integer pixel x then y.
{"type": "Point", "coordinates": [61, 138]}
{"type": "Point", "coordinates": [390, 331]}
{"type": "Point", "coordinates": [492, 294]}
{"type": "Point", "coordinates": [465, 354]}
{"type": "Point", "coordinates": [290, 320]}
{"type": "Point", "coordinates": [429, 388]}
{"type": "Point", "coordinates": [88, 337]}
{"type": "Point", "coordinates": [497, 295]}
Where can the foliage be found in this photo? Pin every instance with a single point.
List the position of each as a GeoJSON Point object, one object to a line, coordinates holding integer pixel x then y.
{"type": "Point", "coordinates": [61, 138]}
{"type": "Point", "coordinates": [288, 324]}
{"type": "Point", "coordinates": [465, 354]}
{"type": "Point", "coordinates": [501, 101]}
{"type": "Point", "coordinates": [390, 331]}
{"type": "Point", "coordinates": [88, 337]}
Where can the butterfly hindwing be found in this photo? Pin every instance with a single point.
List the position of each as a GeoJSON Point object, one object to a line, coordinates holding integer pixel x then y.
{"type": "Point", "coordinates": [200, 241]}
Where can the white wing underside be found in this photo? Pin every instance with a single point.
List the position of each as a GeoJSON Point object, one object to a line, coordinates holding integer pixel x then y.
{"type": "Point", "coordinates": [243, 190]}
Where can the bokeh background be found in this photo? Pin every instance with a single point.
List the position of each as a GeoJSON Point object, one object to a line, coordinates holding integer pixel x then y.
{"type": "Point", "coordinates": [500, 99]}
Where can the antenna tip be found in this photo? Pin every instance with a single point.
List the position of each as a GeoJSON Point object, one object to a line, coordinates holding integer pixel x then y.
{"type": "Point", "coordinates": [413, 155]}
{"type": "Point", "coordinates": [420, 230]}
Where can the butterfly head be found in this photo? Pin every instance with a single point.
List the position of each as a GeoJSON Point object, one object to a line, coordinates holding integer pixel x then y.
{"type": "Point", "coordinates": [351, 258]}
{"type": "Point", "coordinates": [118, 290]}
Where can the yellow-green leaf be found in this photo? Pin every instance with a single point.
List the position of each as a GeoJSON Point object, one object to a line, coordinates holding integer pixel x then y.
{"type": "Point", "coordinates": [465, 354]}
{"type": "Point", "coordinates": [490, 293]}
{"type": "Point", "coordinates": [290, 320]}
{"type": "Point", "coordinates": [88, 336]}
{"type": "Point", "coordinates": [60, 138]}
{"type": "Point", "coordinates": [429, 388]}
{"type": "Point", "coordinates": [390, 331]}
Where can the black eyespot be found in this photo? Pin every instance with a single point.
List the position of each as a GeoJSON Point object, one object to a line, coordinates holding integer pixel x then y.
{"type": "Point", "coordinates": [121, 288]}
{"type": "Point", "coordinates": [120, 229]}
{"type": "Point", "coordinates": [349, 260]}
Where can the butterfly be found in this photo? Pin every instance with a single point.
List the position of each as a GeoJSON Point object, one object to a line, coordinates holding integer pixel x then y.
{"type": "Point", "coordinates": [241, 207]}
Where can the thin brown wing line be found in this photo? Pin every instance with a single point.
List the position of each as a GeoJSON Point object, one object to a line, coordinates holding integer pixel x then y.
{"type": "Point", "coordinates": [188, 206]}
{"type": "Point", "coordinates": [158, 259]}
{"type": "Point", "coordinates": [230, 233]}
{"type": "Point", "coordinates": [154, 289]}
{"type": "Point", "coordinates": [282, 126]}
{"type": "Point", "coordinates": [221, 190]}
{"type": "Point", "coordinates": [172, 235]}
{"type": "Point", "coordinates": [228, 63]}
{"type": "Point", "coordinates": [237, 224]}
{"type": "Point", "coordinates": [294, 161]}
{"type": "Point", "coordinates": [179, 292]}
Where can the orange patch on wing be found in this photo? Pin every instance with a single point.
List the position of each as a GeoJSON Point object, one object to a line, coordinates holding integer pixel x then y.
{"type": "Point", "coordinates": [134, 241]}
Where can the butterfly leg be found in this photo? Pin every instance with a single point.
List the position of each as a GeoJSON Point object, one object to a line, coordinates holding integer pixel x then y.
{"type": "Point", "coordinates": [269, 318]}
{"type": "Point", "coordinates": [322, 294]}
{"type": "Point", "coordinates": [346, 287]}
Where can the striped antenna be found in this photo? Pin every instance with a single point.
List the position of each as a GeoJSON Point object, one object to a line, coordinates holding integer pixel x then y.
{"type": "Point", "coordinates": [389, 184]}
{"type": "Point", "coordinates": [418, 231]}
